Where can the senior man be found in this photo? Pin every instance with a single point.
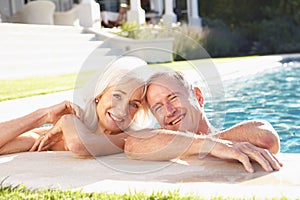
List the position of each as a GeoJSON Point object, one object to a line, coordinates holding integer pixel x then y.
{"type": "Point", "coordinates": [186, 131]}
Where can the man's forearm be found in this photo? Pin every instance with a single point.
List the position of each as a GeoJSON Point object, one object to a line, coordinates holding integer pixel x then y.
{"type": "Point", "coordinates": [161, 144]}
{"type": "Point", "coordinates": [259, 133]}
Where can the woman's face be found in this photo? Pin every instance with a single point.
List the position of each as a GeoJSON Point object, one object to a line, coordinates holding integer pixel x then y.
{"type": "Point", "coordinates": [117, 107]}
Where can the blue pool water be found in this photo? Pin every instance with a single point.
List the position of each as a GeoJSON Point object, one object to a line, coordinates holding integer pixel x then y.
{"type": "Point", "coordinates": [273, 96]}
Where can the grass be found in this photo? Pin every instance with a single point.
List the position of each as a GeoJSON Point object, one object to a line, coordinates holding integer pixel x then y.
{"type": "Point", "coordinates": [22, 192]}
{"type": "Point", "coordinates": [19, 88]}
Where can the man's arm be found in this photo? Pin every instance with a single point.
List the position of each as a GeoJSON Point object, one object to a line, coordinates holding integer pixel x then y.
{"type": "Point", "coordinates": [166, 145]}
{"type": "Point", "coordinates": [259, 133]}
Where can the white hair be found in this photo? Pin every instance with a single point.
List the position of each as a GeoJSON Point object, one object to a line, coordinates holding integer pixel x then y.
{"type": "Point", "coordinates": [121, 71]}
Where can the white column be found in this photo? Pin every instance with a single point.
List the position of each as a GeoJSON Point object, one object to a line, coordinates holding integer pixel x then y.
{"type": "Point", "coordinates": [169, 17]}
{"type": "Point", "coordinates": [16, 5]}
{"type": "Point", "coordinates": [157, 5]}
{"type": "Point", "coordinates": [193, 16]}
{"type": "Point", "coordinates": [89, 13]}
{"type": "Point", "coordinates": [136, 14]}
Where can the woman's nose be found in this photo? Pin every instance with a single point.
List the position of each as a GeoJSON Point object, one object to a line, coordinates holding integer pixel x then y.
{"type": "Point", "coordinates": [122, 109]}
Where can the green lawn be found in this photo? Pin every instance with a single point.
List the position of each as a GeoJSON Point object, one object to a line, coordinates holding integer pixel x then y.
{"type": "Point", "coordinates": [13, 89]}
{"type": "Point", "coordinates": [22, 192]}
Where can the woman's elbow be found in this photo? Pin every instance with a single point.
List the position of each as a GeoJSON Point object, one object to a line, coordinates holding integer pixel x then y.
{"type": "Point", "coordinates": [130, 149]}
{"type": "Point", "coordinates": [77, 148]}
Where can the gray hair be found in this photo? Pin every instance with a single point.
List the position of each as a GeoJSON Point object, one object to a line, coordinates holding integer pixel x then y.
{"type": "Point", "coordinates": [121, 71]}
{"type": "Point", "coordinates": [172, 74]}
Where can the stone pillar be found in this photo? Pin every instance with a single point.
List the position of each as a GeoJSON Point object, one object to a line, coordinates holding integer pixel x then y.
{"type": "Point", "coordinates": [169, 17]}
{"type": "Point", "coordinates": [157, 5]}
{"type": "Point", "coordinates": [193, 16]}
{"type": "Point", "coordinates": [136, 14]}
{"type": "Point", "coordinates": [89, 13]}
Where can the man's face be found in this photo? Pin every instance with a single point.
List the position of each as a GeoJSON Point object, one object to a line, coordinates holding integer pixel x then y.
{"type": "Point", "coordinates": [174, 107]}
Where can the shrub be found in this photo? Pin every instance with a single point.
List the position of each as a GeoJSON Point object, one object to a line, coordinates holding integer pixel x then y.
{"type": "Point", "coordinates": [279, 35]}
{"type": "Point", "coordinates": [221, 41]}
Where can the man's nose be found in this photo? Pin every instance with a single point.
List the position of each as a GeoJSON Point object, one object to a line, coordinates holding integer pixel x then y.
{"type": "Point", "coordinates": [170, 109]}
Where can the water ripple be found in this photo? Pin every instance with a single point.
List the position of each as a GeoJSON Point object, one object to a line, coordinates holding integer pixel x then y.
{"type": "Point", "coordinates": [274, 96]}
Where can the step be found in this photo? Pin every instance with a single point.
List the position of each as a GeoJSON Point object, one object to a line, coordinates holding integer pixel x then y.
{"type": "Point", "coordinates": [55, 53]}
{"type": "Point", "coordinates": [39, 29]}
{"type": "Point", "coordinates": [33, 47]}
{"type": "Point", "coordinates": [35, 68]}
{"type": "Point", "coordinates": [42, 50]}
{"type": "Point", "coordinates": [70, 37]}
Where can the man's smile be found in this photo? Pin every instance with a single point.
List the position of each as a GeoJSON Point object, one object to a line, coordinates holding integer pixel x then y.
{"type": "Point", "coordinates": [176, 120]}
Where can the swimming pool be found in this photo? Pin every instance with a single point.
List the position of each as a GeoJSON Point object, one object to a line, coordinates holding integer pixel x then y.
{"type": "Point", "coordinates": [273, 96]}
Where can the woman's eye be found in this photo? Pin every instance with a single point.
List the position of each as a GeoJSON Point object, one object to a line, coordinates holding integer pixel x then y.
{"type": "Point", "coordinates": [134, 105]}
{"type": "Point", "coordinates": [117, 96]}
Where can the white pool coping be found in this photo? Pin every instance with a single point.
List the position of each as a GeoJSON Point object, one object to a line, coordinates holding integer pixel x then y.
{"type": "Point", "coordinates": [115, 174]}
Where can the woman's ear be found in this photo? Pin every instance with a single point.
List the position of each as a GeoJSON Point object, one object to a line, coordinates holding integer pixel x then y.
{"type": "Point", "coordinates": [199, 96]}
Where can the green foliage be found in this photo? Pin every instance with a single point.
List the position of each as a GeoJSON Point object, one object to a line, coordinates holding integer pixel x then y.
{"type": "Point", "coordinates": [232, 28]}
{"type": "Point", "coordinates": [187, 43]}
{"type": "Point", "coordinates": [243, 27]}
{"type": "Point", "coordinates": [221, 40]}
{"type": "Point", "coordinates": [277, 36]}
{"type": "Point", "coordinates": [130, 30]}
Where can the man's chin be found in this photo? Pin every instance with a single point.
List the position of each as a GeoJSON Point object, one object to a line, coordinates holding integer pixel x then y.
{"type": "Point", "coordinates": [172, 128]}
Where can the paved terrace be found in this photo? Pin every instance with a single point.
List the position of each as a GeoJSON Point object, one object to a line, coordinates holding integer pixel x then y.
{"type": "Point", "coordinates": [206, 177]}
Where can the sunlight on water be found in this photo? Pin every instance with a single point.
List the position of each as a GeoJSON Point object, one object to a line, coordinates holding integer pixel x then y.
{"type": "Point", "coordinates": [273, 96]}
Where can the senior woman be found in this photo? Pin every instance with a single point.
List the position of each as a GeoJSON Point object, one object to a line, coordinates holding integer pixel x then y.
{"type": "Point", "coordinates": [112, 102]}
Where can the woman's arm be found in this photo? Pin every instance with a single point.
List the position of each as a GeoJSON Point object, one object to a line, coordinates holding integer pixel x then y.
{"type": "Point", "coordinates": [10, 130]}
{"type": "Point", "coordinates": [79, 139]}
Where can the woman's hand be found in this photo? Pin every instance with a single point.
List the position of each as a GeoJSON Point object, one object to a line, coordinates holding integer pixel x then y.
{"type": "Point", "coordinates": [49, 139]}
{"type": "Point", "coordinates": [54, 113]}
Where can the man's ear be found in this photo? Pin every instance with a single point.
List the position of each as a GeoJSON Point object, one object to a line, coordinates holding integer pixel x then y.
{"type": "Point", "coordinates": [199, 96]}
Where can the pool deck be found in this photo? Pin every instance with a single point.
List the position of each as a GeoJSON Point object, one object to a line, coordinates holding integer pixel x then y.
{"type": "Point", "coordinates": [115, 174]}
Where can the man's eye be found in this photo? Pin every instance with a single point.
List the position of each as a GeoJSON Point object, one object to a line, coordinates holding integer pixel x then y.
{"type": "Point", "coordinates": [174, 97]}
{"type": "Point", "coordinates": [157, 108]}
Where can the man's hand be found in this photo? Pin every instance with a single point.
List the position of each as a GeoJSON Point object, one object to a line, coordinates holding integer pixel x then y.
{"type": "Point", "coordinates": [244, 152]}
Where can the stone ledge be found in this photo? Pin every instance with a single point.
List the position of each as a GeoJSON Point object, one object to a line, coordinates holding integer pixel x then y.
{"type": "Point", "coordinates": [117, 174]}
